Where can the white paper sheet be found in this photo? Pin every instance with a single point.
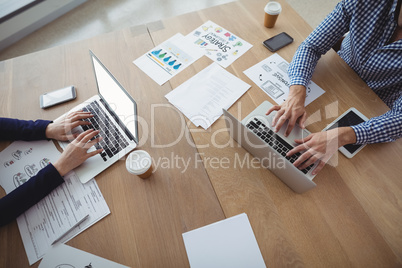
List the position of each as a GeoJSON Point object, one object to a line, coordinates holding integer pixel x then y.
{"type": "Point", "coordinates": [168, 59]}
{"type": "Point", "coordinates": [56, 213]}
{"type": "Point", "coordinates": [22, 160]}
{"type": "Point", "coordinates": [272, 77]}
{"type": "Point", "coordinates": [63, 256]}
{"type": "Point", "coordinates": [229, 243]}
{"type": "Point", "coordinates": [42, 224]}
{"type": "Point", "coordinates": [202, 97]}
{"type": "Point", "coordinates": [218, 44]}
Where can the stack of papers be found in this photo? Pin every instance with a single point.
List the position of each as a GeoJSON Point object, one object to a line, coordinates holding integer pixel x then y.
{"type": "Point", "coordinates": [178, 52]}
{"type": "Point", "coordinates": [202, 97]}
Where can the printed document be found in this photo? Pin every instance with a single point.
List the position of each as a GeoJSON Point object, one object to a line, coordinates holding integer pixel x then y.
{"type": "Point", "coordinates": [272, 77]}
{"type": "Point", "coordinates": [202, 97]}
{"type": "Point", "coordinates": [219, 44]}
{"type": "Point", "coordinates": [55, 214]}
{"type": "Point", "coordinates": [168, 59]}
{"type": "Point", "coordinates": [63, 256]}
{"type": "Point", "coordinates": [22, 159]}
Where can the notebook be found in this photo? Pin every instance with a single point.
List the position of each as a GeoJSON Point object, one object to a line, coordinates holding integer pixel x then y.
{"type": "Point", "coordinates": [115, 116]}
{"type": "Point", "coordinates": [255, 134]}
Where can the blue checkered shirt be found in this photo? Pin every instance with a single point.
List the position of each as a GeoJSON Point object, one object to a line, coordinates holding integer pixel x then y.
{"type": "Point", "coordinates": [370, 23]}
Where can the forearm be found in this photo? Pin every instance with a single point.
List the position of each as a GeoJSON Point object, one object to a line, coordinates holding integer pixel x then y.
{"type": "Point", "coordinates": [15, 129]}
{"type": "Point", "coordinates": [378, 130]}
{"type": "Point", "coordinates": [302, 65]}
{"type": "Point", "coordinates": [298, 91]}
{"type": "Point", "coordinates": [322, 39]}
{"type": "Point", "coordinates": [383, 128]}
{"type": "Point", "coordinates": [29, 193]}
{"type": "Point", "coordinates": [346, 135]}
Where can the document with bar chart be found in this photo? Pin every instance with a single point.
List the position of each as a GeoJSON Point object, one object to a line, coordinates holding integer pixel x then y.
{"type": "Point", "coordinates": [168, 59]}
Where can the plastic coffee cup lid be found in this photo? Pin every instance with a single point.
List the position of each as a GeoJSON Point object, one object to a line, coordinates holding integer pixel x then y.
{"type": "Point", "coordinates": [138, 162]}
{"type": "Point", "coordinates": [273, 8]}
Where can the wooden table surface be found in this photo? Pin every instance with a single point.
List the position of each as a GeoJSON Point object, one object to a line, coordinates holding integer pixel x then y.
{"type": "Point", "coordinates": [351, 219]}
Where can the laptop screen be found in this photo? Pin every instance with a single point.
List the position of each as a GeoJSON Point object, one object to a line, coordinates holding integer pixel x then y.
{"type": "Point", "coordinates": [118, 99]}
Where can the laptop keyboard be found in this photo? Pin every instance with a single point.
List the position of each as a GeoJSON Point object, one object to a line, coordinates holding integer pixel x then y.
{"type": "Point", "coordinates": [113, 142]}
{"type": "Point", "coordinates": [275, 141]}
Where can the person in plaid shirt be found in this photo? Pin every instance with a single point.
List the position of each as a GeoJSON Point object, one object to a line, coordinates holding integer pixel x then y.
{"type": "Point", "coordinates": [372, 47]}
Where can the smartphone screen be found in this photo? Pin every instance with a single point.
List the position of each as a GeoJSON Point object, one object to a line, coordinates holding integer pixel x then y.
{"type": "Point", "coordinates": [278, 41]}
{"type": "Point", "coordinates": [57, 96]}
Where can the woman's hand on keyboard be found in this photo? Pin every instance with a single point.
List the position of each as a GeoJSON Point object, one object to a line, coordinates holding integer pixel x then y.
{"type": "Point", "coordinates": [77, 151]}
{"type": "Point", "coordinates": [61, 130]}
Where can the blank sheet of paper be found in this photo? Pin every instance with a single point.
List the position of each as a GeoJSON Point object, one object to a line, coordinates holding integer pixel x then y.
{"type": "Point", "coordinates": [227, 243]}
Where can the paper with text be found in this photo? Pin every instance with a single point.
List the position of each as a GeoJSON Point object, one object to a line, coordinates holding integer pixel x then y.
{"type": "Point", "coordinates": [22, 160]}
{"type": "Point", "coordinates": [55, 214]}
{"type": "Point", "coordinates": [168, 59]}
{"type": "Point", "coordinates": [63, 256]}
{"type": "Point", "coordinates": [219, 44]}
{"type": "Point", "coordinates": [272, 77]}
{"type": "Point", "coordinates": [72, 199]}
{"type": "Point", "coordinates": [202, 97]}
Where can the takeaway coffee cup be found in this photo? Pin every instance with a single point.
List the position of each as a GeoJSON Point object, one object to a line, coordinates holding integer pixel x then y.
{"type": "Point", "coordinates": [272, 11]}
{"type": "Point", "coordinates": [139, 163]}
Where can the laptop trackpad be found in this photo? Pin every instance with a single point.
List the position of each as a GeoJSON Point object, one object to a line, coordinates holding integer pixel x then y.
{"type": "Point", "coordinates": [296, 133]}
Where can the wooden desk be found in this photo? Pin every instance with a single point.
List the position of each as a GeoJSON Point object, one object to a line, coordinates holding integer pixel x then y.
{"type": "Point", "coordinates": [352, 217]}
{"type": "Point", "coordinates": [149, 216]}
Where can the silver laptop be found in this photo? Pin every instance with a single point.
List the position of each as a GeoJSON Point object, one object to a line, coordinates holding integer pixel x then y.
{"type": "Point", "coordinates": [256, 135]}
{"type": "Point", "coordinates": [115, 116]}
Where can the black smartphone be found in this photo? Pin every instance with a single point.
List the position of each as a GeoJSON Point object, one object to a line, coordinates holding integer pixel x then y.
{"type": "Point", "coordinates": [278, 41]}
{"type": "Point", "coordinates": [57, 96]}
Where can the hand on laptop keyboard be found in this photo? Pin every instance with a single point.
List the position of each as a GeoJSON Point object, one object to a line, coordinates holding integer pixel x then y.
{"type": "Point", "coordinates": [292, 110]}
{"type": "Point", "coordinates": [61, 129]}
{"type": "Point", "coordinates": [77, 152]}
{"type": "Point", "coordinates": [321, 146]}
{"type": "Point", "coordinates": [276, 142]}
{"type": "Point", "coordinates": [113, 141]}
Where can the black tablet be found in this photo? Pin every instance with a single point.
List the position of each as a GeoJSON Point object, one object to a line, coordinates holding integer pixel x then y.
{"type": "Point", "coordinates": [349, 118]}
